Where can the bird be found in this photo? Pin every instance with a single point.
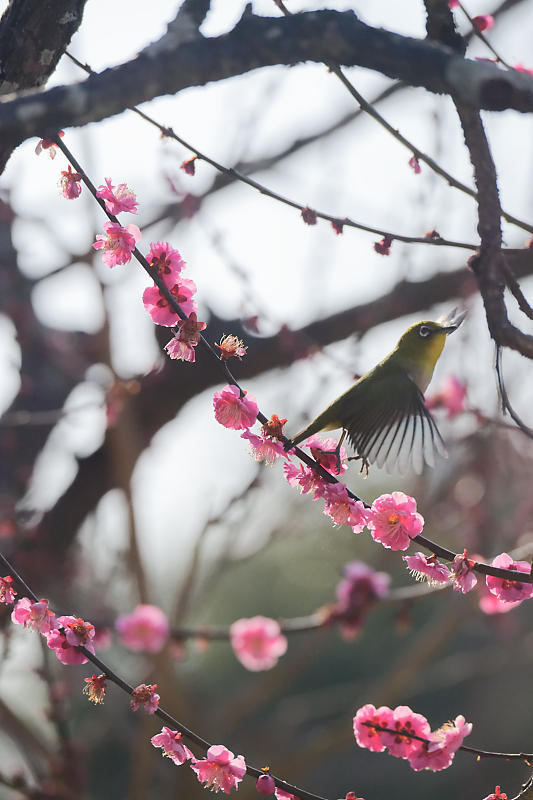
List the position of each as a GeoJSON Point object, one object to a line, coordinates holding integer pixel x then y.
{"type": "Point", "coordinates": [383, 414]}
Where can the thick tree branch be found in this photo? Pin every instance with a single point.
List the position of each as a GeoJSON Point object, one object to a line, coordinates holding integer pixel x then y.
{"type": "Point", "coordinates": [33, 36]}
{"type": "Point", "coordinates": [258, 42]}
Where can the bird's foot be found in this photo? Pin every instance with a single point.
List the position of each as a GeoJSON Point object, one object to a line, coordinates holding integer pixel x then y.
{"type": "Point", "coordinates": [365, 466]}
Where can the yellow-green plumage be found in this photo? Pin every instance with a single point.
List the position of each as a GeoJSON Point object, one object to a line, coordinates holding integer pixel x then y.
{"type": "Point", "coordinates": [383, 413]}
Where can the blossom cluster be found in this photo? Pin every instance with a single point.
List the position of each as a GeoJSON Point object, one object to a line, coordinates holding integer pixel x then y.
{"type": "Point", "coordinates": [408, 735]}
{"type": "Point", "coordinates": [220, 770]}
{"type": "Point", "coordinates": [64, 635]}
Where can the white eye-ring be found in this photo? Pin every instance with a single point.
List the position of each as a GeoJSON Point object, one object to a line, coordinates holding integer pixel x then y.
{"type": "Point", "coordinates": [424, 331]}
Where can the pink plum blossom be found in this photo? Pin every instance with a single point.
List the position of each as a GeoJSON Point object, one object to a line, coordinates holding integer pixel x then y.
{"type": "Point", "coordinates": [117, 243]}
{"type": "Point", "coordinates": [145, 695]}
{"type": "Point", "coordinates": [263, 448]}
{"type": "Point", "coordinates": [234, 411]}
{"type": "Point", "coordinates": [464, 578]}
{"type": "Point", "coordinates": [145, 629]}
{"type": "Point", "coordinates": [172, 745]}
{"type": "Point", "coordinates": [265, 784]}
{"type": "Point", "coordinates": [166, 261]}
{"type": "Point", "coordinates": [231, 346]}
{"type": "Point", "coordinates": [36, 616]}
{"type": "Point", "coordinates": [95, 688]}
{"type": "Point", "coordinates": [358, 590]}
{"type": "Point", "coordinates": [365, 734]}
{"type": "Point", "coordinates": [48, 144]}
{"type": "Point", "coordinates": [257, 642]}
{"type": "Point", "coordinates": [428, 567]}
{"type": "Point", "coordinates": [159, 307]}
{"type": "Point", "coordinates": [521, 68]}
{"type": "Point", "coordinates": [443, 744]}
{"type": "Point", "coordinates": [306, 479]}
{"type": "Point", "coordinates": [343, 509]}
{"type": "Point", "coordinates": [117, 198]}
{"type": "Point", "coordinates": [181, 347]}
{"type": "Point", "coordinates": [496, 795]}
{"type": "Point", "coordinates": [407, 724]}
{"type": "Point", "coordinates": [70, 183]}
{"type": "Point", "coordinates": [394, 520]}
{"type": "Point", "coordinates": [451, 397]}
{"type": "Point", "coordinates": [510, 591]}
{"type": "Point", "coordinates": [65, 642]}
{"type": "Point", "coordinates": [7, 593]}
{"type": "Point", "coordinates": [414, 163]}
{"type": "Point", "coordinates": [220, 771]}
{"type": "Point", "coordinates": [490, 604]}
{"type": "Point", "coordinates": [281, 794]}
{"type": "Point", "coordinates": [483, 22]}
{"type": "Point", "coordinates": [323, 451]}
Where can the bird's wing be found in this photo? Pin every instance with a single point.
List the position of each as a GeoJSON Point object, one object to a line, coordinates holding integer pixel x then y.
{"type": "Point", "coordinates": [393, 428]}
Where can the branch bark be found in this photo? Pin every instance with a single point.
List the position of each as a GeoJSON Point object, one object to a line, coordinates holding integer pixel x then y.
{"type": "Point", "coordinates": [168, 66]}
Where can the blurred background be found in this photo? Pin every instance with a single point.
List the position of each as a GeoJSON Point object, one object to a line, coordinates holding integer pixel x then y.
{"type": "Point", "coordinates": [119, 487]}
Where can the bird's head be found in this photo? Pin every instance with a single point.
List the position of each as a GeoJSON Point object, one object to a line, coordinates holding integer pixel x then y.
{"type": "Point", "coordinates": [422, 343]}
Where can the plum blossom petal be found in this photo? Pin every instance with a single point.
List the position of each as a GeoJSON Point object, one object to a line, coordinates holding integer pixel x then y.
{"type": "Point", "coordinates": [117, 198]}
{"type": "Point", "coordinates": [172, 745]}
{"type": "Point", "coordinates": [257, 642]}
{"type": "Point", "coordinates": [145, 695]}
{"type": "Point", "coordinates": [117, 243]}
{"type": "Point", "coordinates": [365, 734]}
{"type": "Point", "coordinates": [358, 590]}
{"type": "Point", "coordinates": [343, 509]}
{"type": "Point", "coordinates": [263, 448]}
{"type": "Point", "coordinates": [159, 307]}
{"type": "Point", "coordinates": [220, 770]}
{"type": "Point", "coordinates": [464, 578]}
{"type": "Point", "coordinates": [234, 411]}
{"type": "Point", "coordinates": [36, 616]}
{"type": "Point", "coordinates": [394, 520]}
{"type": "Point", "coordinates": [166, 261]}
{"type": "Point", "coordinates": [146, 629]}
{"type": "Point", "coordinates": [422, 566]}
{"type": "Point", "coordinates": [7, 593]}
{"type": "Point", "coordinates": [510, 591]}
{"type": "Point", "coordinates": [443, 744]}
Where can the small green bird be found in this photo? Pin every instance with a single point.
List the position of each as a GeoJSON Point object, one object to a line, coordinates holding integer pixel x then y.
{"type": "Point", "coordinates": [384, 414]}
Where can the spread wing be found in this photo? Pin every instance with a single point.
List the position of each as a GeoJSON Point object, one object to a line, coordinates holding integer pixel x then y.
{"type": "Point", "coordinates": [393, 429]}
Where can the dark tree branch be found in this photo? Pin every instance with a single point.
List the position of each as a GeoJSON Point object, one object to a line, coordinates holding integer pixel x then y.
{"type": "Point", "coordinates": [33, 36]}
{"type": "Point", "coordinates": [258, 42]}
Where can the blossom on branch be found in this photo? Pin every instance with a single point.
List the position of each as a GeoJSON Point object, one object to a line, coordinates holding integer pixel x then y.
{"type": "Point", "coordinates": [145, 695]}
{"type": "Point", "coordinates": [231, 346]}
{"type": "Point", "coordinates": [308, 216]}
{"type": "Point", "coordinates": [306, 479]}
{"type": "Point", "coordinates": [358, 590]}
{"type": "Point", "coordinates": [281, 794]}
{"type": "Point", "coordinates": [159, 308]}
{"type": "Point", "coordinates": [496, 795]}
{"type": "Point", "coordinates": [483, 22]}
{"type": "Point", "coordinates": [189, 166]}
{"type": "Point", "coordinates": [182, 346]}
{"type": "Point", "coordinates": [510, 591]}
{"type": "Point", "coordinates": [464, 578]}
{"type": "Point", "coordinates": [95, 688]}
{"type": "Point", "coordinates": [415, 165]}
{"type": "Point", "coordinates": [422, 566]}
{"type": "Point", "coordinates": [324, 452]}
{"type": "Point", "coordinates": [36, 616]}
{"type": "Point", "coordinates": [366, 723]}
{"type": "Point", "coordinates": [234, 411]}
{"type": "Point", "coordinates": [443, 744]}
{"type": "Point", "coordinates": [274, 427]}
{"type": "Point", "coordinates": [70, 183]}
{"type": "Point", "coordinates": [265, 784]}
{"type": "Point", "coordinates": [263, 448]}
{"type": "Point", "coordinates": [343, 509]}
{"type": "Point", "coordinates": [166, 260]}
{"type": "Point", "coordinates": [146, 629]}
{"type": "Point", "coordinates": [451, 397]}
{"type": "Point", "coordinates": [172, 745]}
{"type": "Point", "coordinates": [257, 642]}
{"type": "Point", "coordinates": [383, 247]}
{"type": "Point", "coordinates": [117, 243]}
{"type": "Point", "coordinates": [7, 593]}
{"type": "Point", "coordinates": [394, 520]}
{"type": "Point", "coordinates": [48, 144]}
{"type": "Point", "coordinates": [220, 771]}
{"type": "Point", "coordinates": [117, 198]}
{"type": "Point", "coordinates": [65, 643]}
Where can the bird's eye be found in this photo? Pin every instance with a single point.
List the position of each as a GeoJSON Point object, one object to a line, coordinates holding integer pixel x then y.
{"type": "Point", "coordinates": [424, 331]}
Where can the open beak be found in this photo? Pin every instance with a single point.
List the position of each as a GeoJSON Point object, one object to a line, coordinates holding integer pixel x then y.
{"type": "Point", "coordinates": [451, 321]}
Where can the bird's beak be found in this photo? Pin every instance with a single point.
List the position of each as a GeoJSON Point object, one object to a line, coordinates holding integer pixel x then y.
{"type": "Point", "coordinates": [450, 322]}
